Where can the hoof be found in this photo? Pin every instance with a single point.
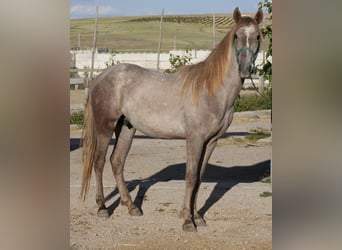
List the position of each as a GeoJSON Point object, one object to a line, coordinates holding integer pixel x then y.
{"type": "Point", "coordinates": [103, 213]}
{"type": "Point", "coordinates": [135, 212]}
{"type": "Point", "coordinates": [188, 226]}
{"type": "Point", "coordinates": [199, 221]}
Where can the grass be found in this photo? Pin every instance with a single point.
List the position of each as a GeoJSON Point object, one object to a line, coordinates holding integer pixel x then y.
{"type": "Point", "coordinates": [266, 194]}
{"type": "Point", "coordinates": [253, 136]}
{"type": "Point", "coordinates": [142, 33]}
{"type": "Point", "coordinates": [266, 179]}
{"type": "Point", "coordinates": [254, 102]}
{"type": "Point", "coordinates": [257, 134]}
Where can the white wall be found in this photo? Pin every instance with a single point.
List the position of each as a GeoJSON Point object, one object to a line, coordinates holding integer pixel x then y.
{"type": "Point", "coordinates": [147, 60]}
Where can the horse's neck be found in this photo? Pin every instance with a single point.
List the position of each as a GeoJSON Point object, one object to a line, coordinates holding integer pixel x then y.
{"type": "Point", "coordinates": [232, 84]}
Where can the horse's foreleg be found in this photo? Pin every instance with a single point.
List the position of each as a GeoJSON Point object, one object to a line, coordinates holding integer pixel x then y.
{"type": "Point", "coordinates": [103, 140]}
{"type": "Point", "coordinates": [194, 150]}
{"type": "Point", "coordinates": [199, 221]}
{"type": "Point", "coordinates": [124, 137]}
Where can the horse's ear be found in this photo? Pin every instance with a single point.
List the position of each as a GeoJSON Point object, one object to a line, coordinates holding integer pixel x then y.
{"type": "Point", "coordinates": [259, 16]}
{"type": "Point", "coordinates": [237, 15]}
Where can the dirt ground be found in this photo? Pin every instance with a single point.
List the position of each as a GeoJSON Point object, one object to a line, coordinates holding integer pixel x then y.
{"type": "Point", "coordinates": [237, 216]}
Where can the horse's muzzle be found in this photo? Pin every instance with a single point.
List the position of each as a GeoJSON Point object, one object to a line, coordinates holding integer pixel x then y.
{"type": "Point", "coordinates": [246, 61]}
{"type": "Point", "coordinates": [246, 70]}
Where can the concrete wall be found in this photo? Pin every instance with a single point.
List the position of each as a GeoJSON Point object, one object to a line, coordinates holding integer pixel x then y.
{"type": "Point", "coordinates": [82, 59]}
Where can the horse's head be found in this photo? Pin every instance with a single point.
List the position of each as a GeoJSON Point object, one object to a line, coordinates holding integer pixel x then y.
{"type": "Point", "coordinates": [246, 41]}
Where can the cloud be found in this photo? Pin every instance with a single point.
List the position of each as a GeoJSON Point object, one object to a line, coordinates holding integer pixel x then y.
{"type": "Point", "coordinates": [107, 10]}
{"type": "Point", "coordinates": [79, 10]}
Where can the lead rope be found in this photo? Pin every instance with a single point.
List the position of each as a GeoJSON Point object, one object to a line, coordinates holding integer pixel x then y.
{"type": "Point", "coordinates": [255, 88]}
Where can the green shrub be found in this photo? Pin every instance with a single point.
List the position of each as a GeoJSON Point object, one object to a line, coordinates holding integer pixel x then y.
{"type": "Point", "coordinates": [179, 61]}
{"type": "Point", "coordinates": [254, 102]}
{"type": "Point", "coordinates": [266, 69]}
{"type": "Point", "coordinates": [77, 118]}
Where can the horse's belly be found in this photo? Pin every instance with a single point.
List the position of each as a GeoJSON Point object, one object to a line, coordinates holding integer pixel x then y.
{"type": "Point", "coordinates": [155, 108]}
{"type": "Point", "coordinates": [158, 125]}
{"type": "Point", "coordinates": [162, 133]}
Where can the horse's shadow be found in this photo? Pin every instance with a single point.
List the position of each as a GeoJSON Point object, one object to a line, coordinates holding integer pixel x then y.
{"type": "Point", "coordinates": [224, 177]}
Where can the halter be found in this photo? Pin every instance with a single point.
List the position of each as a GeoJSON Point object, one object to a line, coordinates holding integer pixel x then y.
{"type": "Point", "coordinates": [238, 51]}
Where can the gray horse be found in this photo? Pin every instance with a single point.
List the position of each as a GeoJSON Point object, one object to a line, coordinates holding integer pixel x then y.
{"type": "Point", "coordinates": [196, 104]}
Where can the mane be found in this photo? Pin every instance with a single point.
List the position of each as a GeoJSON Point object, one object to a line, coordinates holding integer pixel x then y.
{"type": "Point", "coordinates": [210, 73]}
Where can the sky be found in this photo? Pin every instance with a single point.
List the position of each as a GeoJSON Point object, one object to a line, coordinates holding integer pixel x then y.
{"type": "Point", "coordinates": [86, 8]}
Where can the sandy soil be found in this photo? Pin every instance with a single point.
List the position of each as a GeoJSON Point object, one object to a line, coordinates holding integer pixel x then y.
{"type": "Point", "coordinates": [229, 198]}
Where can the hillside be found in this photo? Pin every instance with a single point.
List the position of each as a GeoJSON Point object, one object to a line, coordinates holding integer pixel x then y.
{"type": "Point", "coordinates": [142, 33]}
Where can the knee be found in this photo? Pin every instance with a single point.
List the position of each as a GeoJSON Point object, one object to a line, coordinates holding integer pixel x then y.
{"type": "Point", "coordinates": [116, 165]}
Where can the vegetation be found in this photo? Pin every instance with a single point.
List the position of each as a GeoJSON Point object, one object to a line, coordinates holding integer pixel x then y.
{"type": "Point", "coordinates": [124, 34]}
{"type": "Point", "coordinates": [257, 134]}
{"type": "Point", "coordinates": [112, 60]}
{"type": "Point", "coordinates": [266, 70]}
{"type": "Point", "coordinates": [266, 194]}
{"type": "Point", "coordinates": [177, 61]}
{"type": "Point", "coordinates": [266, 179]}
{"type": "Point", "coordinates": [220, 21]}
{"type": "Point", "coordinates": [254, 102]}
{"type": "Point", "coordinates": [77, 118]}
{"type": "Point", "coordinates": [251, 139]}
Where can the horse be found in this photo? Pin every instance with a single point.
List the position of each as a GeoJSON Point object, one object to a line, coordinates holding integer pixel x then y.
{"type": "Point", "coordinates": [196, 103]}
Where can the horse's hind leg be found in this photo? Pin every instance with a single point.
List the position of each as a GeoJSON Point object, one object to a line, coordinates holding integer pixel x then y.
{"type": "Point", "coordinates": [103, 139]}
{"type": "Point", "coordinates": [124, 136]}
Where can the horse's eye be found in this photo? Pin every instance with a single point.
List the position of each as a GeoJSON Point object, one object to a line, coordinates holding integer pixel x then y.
{"type": "Point", "coordinates": [235, 36]}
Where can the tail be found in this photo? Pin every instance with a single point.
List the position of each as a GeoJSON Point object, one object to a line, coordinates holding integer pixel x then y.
{"type": "Point", "coordinates": [89, 147]}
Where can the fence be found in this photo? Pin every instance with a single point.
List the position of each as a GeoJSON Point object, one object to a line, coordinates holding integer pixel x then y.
{"type": "Point", "coordinates": [80, 62]}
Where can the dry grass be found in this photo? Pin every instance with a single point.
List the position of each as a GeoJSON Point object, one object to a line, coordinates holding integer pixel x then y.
{"type": "Point", "coordinates": [249, 140]}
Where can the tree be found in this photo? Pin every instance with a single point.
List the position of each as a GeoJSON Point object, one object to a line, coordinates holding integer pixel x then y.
{"type": "Point", "coordinates": [266, 70]}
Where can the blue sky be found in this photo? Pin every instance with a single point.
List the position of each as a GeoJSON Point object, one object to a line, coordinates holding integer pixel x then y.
{"type": "Point", "coordinates": [86, 8]}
